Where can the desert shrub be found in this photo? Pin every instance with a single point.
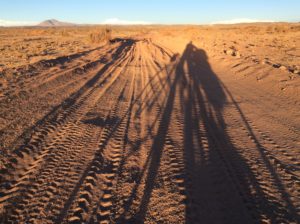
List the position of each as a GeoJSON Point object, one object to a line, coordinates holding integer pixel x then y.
{"type": "Point", "coordinates": [295, 28]}
{"type": "Point", "coordinates": [100, 36]}
{"type": "Point", "coordinates": [65, 33]}
{"type": "Point", "coordinates": [282, 28]}
{"type": "Point", "coordinates": [253, 29]}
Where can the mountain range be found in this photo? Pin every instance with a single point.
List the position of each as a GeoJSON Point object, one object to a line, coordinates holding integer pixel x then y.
{"type": "Point", "coordinates": [55, 23]}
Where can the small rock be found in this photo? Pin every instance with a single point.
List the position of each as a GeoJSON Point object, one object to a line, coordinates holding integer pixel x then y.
{"type": "Point", "coordinates": [296, 71]}
{"type": "Point", "coordinates": [282, 67]}
{"type": "Point", "coordinates": [238, 54]}
{"type": "Point", "coordinates": [276, 65]}
{"type": "Point", "coordinates": [229, 52]}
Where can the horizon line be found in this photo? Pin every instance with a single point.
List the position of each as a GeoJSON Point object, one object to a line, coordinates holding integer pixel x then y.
{"type": "Point", "coordinates": [119, 22]}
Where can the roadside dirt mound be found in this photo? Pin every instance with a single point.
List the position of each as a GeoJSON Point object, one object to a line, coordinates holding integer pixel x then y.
{"type": "Point", "coordinates": [140, 131]}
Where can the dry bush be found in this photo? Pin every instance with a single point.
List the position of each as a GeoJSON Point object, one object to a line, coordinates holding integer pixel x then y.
{"type": "Point", "coordinates": [104, 35]}
{"type": "Point", "coordinates": [252, 29]}
{"type": "Point", "coordinates": [65, 33]}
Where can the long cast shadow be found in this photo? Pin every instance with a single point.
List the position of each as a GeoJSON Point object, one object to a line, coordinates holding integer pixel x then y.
{"type": "Point", "coordinates": [205, 103]}
{"type": "Point", "coordinates": [220, 185]}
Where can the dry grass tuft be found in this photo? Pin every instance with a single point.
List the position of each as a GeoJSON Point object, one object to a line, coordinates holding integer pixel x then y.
{"type": "Point", "coordinates": [100, 36]}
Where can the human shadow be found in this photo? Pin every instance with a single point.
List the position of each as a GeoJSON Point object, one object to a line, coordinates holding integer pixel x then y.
{"type": "Point", "coordinates": [203, 99]}
{"type": "Point", "coordinates": [209, 174]}
{"type": "Point", "coordinates": [220, 185]}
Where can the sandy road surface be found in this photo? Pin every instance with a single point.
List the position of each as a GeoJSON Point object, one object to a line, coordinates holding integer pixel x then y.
{"type": "Point", "coordinates": [133, 133]}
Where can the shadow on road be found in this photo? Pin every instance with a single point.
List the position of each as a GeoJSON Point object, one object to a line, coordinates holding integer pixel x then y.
{"type": "Point", "coordinates": [220, 186]}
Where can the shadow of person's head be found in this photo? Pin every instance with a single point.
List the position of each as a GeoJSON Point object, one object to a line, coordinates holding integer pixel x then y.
{"type": "Point", "coordinates": [194, 62]}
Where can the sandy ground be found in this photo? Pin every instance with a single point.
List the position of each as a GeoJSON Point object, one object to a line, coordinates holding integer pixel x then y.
{"type": "Point", "coordinates": [175, 125]}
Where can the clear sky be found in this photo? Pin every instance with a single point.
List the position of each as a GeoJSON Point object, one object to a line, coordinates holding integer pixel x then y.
{"type": "Point", "coordinates": [152, 11]}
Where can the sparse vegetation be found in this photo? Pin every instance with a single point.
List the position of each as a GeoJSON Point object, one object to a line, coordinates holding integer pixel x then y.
{"type": "Point", "coordinates": [20, 46]}
{"type": "Point", "coordinates": [100, 36]}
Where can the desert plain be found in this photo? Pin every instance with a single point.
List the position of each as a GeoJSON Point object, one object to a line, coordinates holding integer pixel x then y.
{"type": "Point", "coordinates": [150, 124]}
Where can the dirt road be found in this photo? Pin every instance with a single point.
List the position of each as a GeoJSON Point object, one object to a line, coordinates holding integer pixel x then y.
{"type": "Point", "coordinates": [133, 133]}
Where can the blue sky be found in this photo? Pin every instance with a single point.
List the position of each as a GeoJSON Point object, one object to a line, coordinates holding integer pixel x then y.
{"type": "Point", "coordinates": [152, 11]}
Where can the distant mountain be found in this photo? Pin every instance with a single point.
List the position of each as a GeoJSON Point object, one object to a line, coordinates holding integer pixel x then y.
{"type": "Point", "coordinates": [54, 22]}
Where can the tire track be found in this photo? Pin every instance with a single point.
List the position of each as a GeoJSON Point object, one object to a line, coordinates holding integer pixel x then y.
{"type": "Point", "coordinates": [72, 104]}
{"type": "Point", "coordinates": [76, 111]}
{"type": "Point", "coordinates": [114, 154]}
{"type": "Point", "coordinates": [85, 206]}
{"type": "Point", "coordinates": [89, 193]}
{"type": "Point", "coordinates": [276, 182]}
{"type": "Point", "coordinates": [136, 202]}
{"type": "Point", "coordinates": [35, 73]}
{"type": "Point", "coordinates": [41, 97]}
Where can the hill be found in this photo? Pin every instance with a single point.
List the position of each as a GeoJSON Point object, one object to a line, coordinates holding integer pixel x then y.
{"type": "Point", "coordinates": [54, 22]}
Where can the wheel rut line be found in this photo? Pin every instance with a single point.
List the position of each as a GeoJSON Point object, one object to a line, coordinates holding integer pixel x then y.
{"type": "Point", "coordinates": [118, 144]}
{"type": "Point", "coordinates": [67, 111]}
{"type": "Point", "coordinates": [39, 188]}
{"type": "Point", "coordinates": [44, 93]}
{"type": "Point", "coordinates": [74, 96]}
{"type": "Point", "coordinates": [90, 172]}
{"type": "Point", "coordinates": [255, 202]}
{"type": "Point", "coordinates": [132, 146]}
{"type": "Point", "coordinates": [65, 160]}
{"type": "Point", "coordinates": [268, 179]}
{"type": "Point", "coordinates": [76, 106]}
{"type": "Point", "coordinates": [87, 180]}
{"type": "Point", "coordinates": [287, 168]}
{"type": "Point", "coordinates": [83, 67]}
